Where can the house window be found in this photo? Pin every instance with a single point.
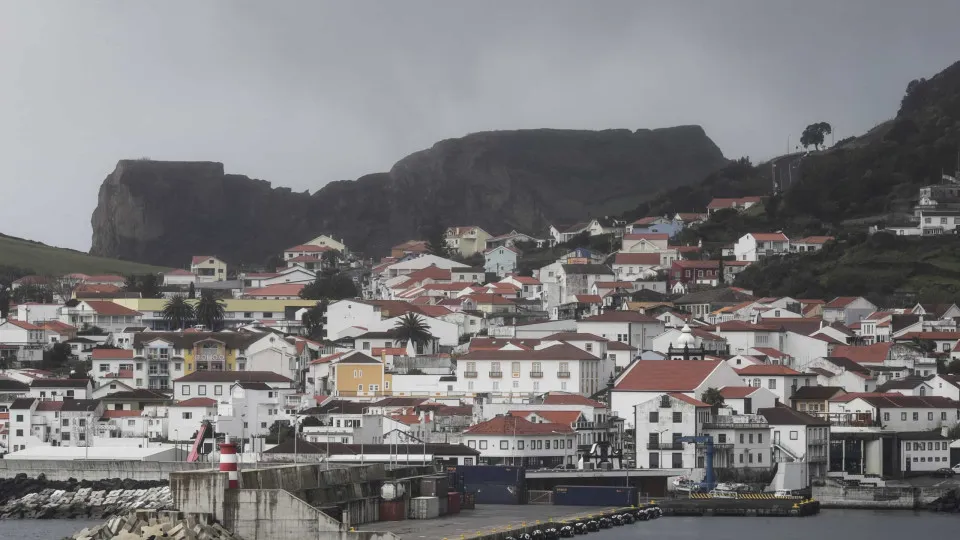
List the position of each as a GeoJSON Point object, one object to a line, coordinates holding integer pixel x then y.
{"type": "Point", "coordinates": [772, 384]}
{"type": "Point", "coordinates": [483, 445]}
{"type": "Point", "coordinates": [677, 417]}
{"type": "Point", "coordinates": [471, 443]}
{"type": "Point", "coordinates": [916, 417]}
{"type": "Point", "coordinates": [185, 389]}
{"type": "Point", "coordinates": [903, 417]}
{"type": "Point", "coordinates": [187, 415]}
{"type": "Point", "coordinates": [756, 383]}
{"type": "Point", "coordinates": [794, 435]}
{"type": "Point", "coordinates": [202, 390]}
{"type": "Point", "coordinates": [589, 347]}
{"type": "Point", "coordinates": [496, 385]}
{"type": "Point", "coordinates": [654, 417]}
{"type": "Point", "coordinates": [929, 416]}
{"type": "Point", "coordinates": [519, 445]}
{"type": "Point", "coordinates": [218, 390]}
{"type": "Point", "coordinates": [504, 445]}
{"type": "Point", "coordinates": [886, 417]}
{"type": "Point", "coordinates": [546, 444]}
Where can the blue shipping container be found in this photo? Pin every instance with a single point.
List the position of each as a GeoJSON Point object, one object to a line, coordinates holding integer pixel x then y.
{"type": "Point", "coordinates": [594, 496]}
{"type": "Point", "coordinates": [498, 493]}
{"type": "Point", "coordinates": [491, 474]}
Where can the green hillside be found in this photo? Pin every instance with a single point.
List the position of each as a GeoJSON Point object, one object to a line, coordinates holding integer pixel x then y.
{"type": "Point", "coordinates": [887, 269]}
{"type": "Point", "coordinates": [21, 257]}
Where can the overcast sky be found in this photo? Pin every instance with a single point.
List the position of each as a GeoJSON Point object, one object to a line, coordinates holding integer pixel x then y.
{"type": "Point", "coordinates": [304, 92]}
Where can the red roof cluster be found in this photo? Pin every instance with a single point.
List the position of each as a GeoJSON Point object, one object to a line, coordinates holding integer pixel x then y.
{"type": "Point", "coordinates": [666, 375]}
{"type": "Point", "coordinates": [513, 425]}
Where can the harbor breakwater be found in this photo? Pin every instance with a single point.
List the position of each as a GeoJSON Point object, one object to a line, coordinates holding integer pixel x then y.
{"type": "Point", "coordinates": [38, 498]}
{"type": "Point", "coordinates": [150, 524]}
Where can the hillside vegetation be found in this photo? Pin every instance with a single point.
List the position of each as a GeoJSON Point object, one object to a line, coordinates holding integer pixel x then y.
{"type": "Point", "coordinates": [21, 257]}
{"type": "Point", "coordinates": [885, 268]}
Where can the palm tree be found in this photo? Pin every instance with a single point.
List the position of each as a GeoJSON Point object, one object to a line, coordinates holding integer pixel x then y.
{"type": "Point", "coordinates": [210, 310]}
{"type": "Point", "coordinates": [178, 312]}
{"type": "Point", "coordinates": [713, 397]}
{"type": "Point", "coordinates": [412, 327]}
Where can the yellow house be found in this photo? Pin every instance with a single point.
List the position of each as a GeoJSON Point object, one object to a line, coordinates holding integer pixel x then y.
{"type": "Point", "coordinates": [328, 241]}
{"type": "Point", "coordinates": [161, 357]}
{"type": "Point", "coordinates": [208, 268]}
{"type": "Point", "coordinates": [467, 241]}
{"type": "Point", "coordinates": [356, 374]}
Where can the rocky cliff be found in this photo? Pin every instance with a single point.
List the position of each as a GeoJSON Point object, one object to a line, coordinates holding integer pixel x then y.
{"type": "Point", "coordinates": [164, 212]}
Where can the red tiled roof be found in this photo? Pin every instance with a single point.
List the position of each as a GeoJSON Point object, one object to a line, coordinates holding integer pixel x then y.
{"type": "Point", "coordinates": [307, 248]}
{"type": "Point", "coordinates": [771, 352]}
{"type": "Point", "coordinates": [814, 240]}
{"type": "Point", "coordinates": [881, 400]}
{"type": "Point", "coordinates": [24, 325]}
{"type": "Point", "coordinates": [645, 220]}
{"type": "Point", "coordinates": [864, 354]}
{"type": "Point", "coordinates": [196, 402]}
{"type": "Point", "coordinates": [120, 374]}
{"type": "Point", "coordinates": [621, 317]}
{"type": "Point", "coordinates": [588, 298]}
{"type": "Point", "coordinates": [731, 202]}
{"type": "Point", "coordinates": [690, 216]}
{"type": "Point", "coordinates": [525, 280]}
{"type": "Point", "coordinates": [430, 272]}
{"type": "Point", "coordinates": [104, 307]}
{"type": "Point", "coordinates": [687, 399]}
{"type": "Point", "coordinates": [279, 289]}
{"type": "Point", "coordinates": [737, 392]}
{"type": "Point", "coordinates": [557, 417]}
{"type": "Point", "coordinates": [99, 288]}
{"type": "Point", "coordinates": [197, 259]}
{"type": "Point", "coordinates": [652, 259]}
{"type": "Point", "coordinates": [620, 346]}
{"type": "Point", "coordinates": [767, 369]}
{"type": "Point", "coordinates": [493, 344]}
{"type": "Point", "coordinates": [510, 425]}
{"type": "Point", "coordinates": [563, 398]}
{"type": "Point", "coordinates": [408, 419]}
{"type": "Point", "coordinates": [121, 414]}
{"type": "Point", "coordinates": [390, 351]}
{"type": "Point", "coordinates": [57, 326]}
{"type": "Point", "coordinates": [574, 336]}
{"type": "Point", "coordinates": [304, 258]}
{"type": "Point", "coordinates": [666, 375]}
{"type": "Point", "coordinates": [930, 335]}
{"type": "Point", "coordinates": [112, 354]}
{"type": "Point", "coordinates": [561, 351]}
{"type": "Point", "coordinates": [493, 299]}
{"type": "Point", "coordinates": [434, 311]}
{"type": "Point", "coordinates": [769, 237]}
{"type": "Point", "coordinates": [840, 302]}
{"type": "Point", "coordinates": [49, 406]}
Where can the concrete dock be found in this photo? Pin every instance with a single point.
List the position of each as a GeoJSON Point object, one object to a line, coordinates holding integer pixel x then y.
{"type": "Point", "coordinates": [484, 520]}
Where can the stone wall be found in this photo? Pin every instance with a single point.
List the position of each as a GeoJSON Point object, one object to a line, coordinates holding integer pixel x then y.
{"type": "Point", "coordinates": [865, 497]}
{"type": "Point", "coordinates": [61, 470]}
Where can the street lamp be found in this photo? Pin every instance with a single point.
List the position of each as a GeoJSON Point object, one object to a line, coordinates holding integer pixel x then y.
{"type": "Point", "coordinates": [176, 444]}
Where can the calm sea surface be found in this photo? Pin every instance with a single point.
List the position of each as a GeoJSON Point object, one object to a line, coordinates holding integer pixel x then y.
{"type": "Point", "coordinates": [829, 525]}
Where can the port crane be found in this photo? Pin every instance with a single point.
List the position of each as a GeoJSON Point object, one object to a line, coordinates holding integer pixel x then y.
{"type": "Point", "coordinates": [709, 480]}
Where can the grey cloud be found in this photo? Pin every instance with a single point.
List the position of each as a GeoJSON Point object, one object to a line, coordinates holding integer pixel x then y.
{"type": "Point", "coordinates": [305, 92]}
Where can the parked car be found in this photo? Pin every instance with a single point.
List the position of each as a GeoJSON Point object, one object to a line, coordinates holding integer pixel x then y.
{"type": "Point", "coordinates": [944, 472]}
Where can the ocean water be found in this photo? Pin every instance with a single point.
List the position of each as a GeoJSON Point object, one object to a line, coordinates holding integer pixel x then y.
{"type": "Point", "coordinates": [43, 529]}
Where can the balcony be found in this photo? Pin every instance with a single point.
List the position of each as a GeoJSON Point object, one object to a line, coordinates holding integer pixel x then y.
{"type": "Point", "coordinates": [470, 374]}
{"type": "Point", "coordinates": [536, 374]}
{"type": "Point", "coordinates": [495, 374]}
{"type": "Point", "coordinates": [848, 419]}
{"type": "Point", "coordinates": [665, 446]}
{"type": "Point", "coordinates": [717, 446]}
{"type": "Point", "coordinates": [563, 374]}
{"type": "Point", "coordinates": [739, 421]}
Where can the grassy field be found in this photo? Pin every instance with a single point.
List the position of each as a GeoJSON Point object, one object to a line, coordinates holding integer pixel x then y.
{"type": "Point", "coordinates": [47, 260]}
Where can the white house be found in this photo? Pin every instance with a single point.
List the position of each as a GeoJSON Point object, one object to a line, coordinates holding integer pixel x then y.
{"type": "Point", "coordinates": [799, 437]}
{"type": "Point", "coordinates": [847, 309]}
{"type": "Point", "coordinates": [21, 341]}
{"type": "Point", "coordinates": [661, 419]}
{"type": "Point", "coordinates": [896, 412]}
{"type": "Point", "coordinates": [185, 416]}
{"type": "Point", "coordinates": [628, 327]}
{"type": "Point", "coordinates": [501, 260]}
{"type": "Point", "coordinates": [108, 316]}
{"type": "Point", "coordinates": [510, 370]}
{"type": "Point", "coordinates": [511, 440]}
{"type": "Point", "coordinates": [644, 380]}
{"type": "Point", "coordinates": [779, 379]}
{"type": "Point", "coordinates": [216, 384]}
{"type": "Point", "coordinates": [923, 451]}
{"type": "Point", "coordinates": [249, 408]}
{"type": "Point", "coordinates": [633, 266]}
{"type": "Point", "coordinates": [755, 246]}
{"type": "Point", "coordinates": [179, 277]}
